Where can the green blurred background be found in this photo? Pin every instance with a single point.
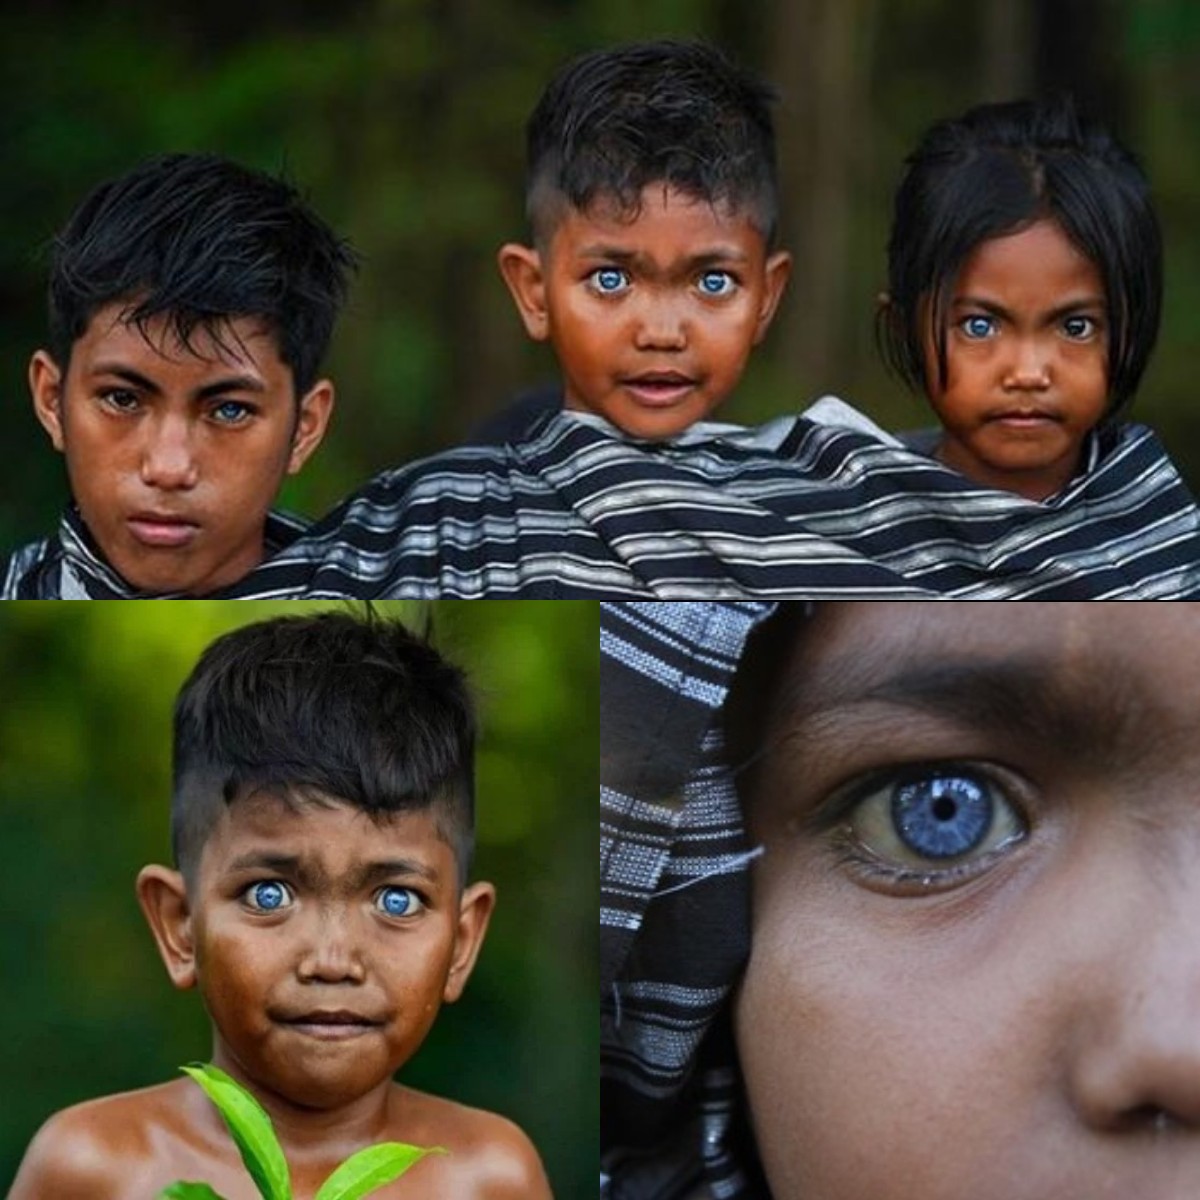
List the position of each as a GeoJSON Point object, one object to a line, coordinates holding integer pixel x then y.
{"type": "Point", "coordinates": [86, 1006]}
{"type": "Point", "coordinates": [403, 121]}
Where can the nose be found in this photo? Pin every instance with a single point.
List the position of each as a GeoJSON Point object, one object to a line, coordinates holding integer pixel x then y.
{"type": "Point", "coordinates": [1029, 368]}
{"type": "Point", "coordinates": [1137, 1059]}
{"type": "Point", "coordinates": [168, 460]}
{"type": "Point", "coordinates": [329, 953]}
{"type": "Point", "coordinates": [661, 324]}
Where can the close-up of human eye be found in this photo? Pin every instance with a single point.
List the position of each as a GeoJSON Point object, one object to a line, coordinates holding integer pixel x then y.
{"type": "Point", "coordinates": [1080, 328]}
{"type": "Point", "coordinates": [608, 281]}
{"type": "Point", "coordinates": [977, 326]}
{"type": "Point", "coordinates": [119, 399]}
{"type": "Point", "coordinates": [934, 824]}
{"type": "Point", "coordinates": [231, 412]}
{"type": "Point", "coordinates": [397, 901]}
{"type": "Point", "coordinates": [268, 895]}
{"type": "Point", "coordinates": [716, 283]}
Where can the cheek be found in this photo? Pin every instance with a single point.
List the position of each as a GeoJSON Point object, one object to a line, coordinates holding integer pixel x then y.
{"type": "Point", "coordinates": [863, 1051]}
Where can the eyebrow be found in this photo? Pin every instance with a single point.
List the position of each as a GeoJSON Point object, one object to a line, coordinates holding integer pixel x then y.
{"type": "Point", "coordinates": [714, 256]}
{"type": "Point", "coordinates": [230, 383]}
{"type": "Point", "coordinates": [1076, 304]}
{"type": "Point", "coordinates": [1015, 698]}
{"type": "Point", "coordinates": [311, 874]}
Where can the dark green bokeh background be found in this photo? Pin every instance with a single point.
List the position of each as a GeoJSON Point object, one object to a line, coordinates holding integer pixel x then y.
{"type": "Point", "coordinates": [86, 1006]}
{"type": "Point", "coordinates": [403, 121]}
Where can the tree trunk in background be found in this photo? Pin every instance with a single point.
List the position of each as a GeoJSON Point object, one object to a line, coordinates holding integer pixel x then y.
{"type": "Point", "coordinates": [1007, 50]}
{"type": "Point", "coordinates": [821, 63]}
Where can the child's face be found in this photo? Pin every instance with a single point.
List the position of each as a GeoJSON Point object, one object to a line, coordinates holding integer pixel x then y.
{"type": "Point", "coordinates": [975, 967]}
{"type": "Point", "coordinates": [175, 455]}
{"type": "Point", "coordinates": [324, 944]}
{"type": "Point", "coordinates": [652, 317]}
{"type": "Point", "coordinates": [1027, 362]}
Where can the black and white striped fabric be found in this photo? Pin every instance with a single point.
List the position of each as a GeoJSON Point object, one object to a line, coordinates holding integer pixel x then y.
{"type": "Point", "coordinates": [674, 920]}
{"type": "Point", "coordinates": [674, 904]}
{"type": "Point", "coordinates": [69, 566]}
{"type": "Point", "coordinates": [573, 510]}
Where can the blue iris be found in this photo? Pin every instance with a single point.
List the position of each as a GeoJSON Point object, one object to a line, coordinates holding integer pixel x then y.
{"type": "Point", "coordinates": [942, 816]}
{"type": "Point", "coordinates": [268, 896]}
{"type": "Point", "coordinates": [395, 901]}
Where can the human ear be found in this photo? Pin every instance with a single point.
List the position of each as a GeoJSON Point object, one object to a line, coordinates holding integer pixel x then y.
{"type": "Point", "coordinates": [474, 911]}
{"type": "Point", "coordinates": [163, 896]}
{"type": "Point", "coordinates": [45, 386]}
{"type": "Point", "coordinates": [521, 267]}
{"type": "Point", "coordinates": [776, 272]}
{"type": "Point", "coordinates": [312, 419]}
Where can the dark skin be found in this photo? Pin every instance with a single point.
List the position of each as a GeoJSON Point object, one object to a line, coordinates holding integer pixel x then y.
{"type": "Point", "coordinates": [323, 944]}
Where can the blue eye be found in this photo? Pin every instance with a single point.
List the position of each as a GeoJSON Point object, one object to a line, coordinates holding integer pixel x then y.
{"type": "Point", "coordinates": [231, 412]}
{"type": "Point", "coordinates": [609, 281]}
{"type": "Point", "coordinates": [978, 326]}
{"type": "Point", "coordinates": [267, 896]}
{"type": "Point", "coordinates": [717, 283]}
{"type": "Point", "coordinates": [398, 901]}
{"type": "Point", "coordinates": [942, 816]}
{"type": "Point", "coordinates": [933, 820]}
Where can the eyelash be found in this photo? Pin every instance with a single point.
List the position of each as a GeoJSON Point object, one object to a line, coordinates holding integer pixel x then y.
{"type": "Point", "coordinates": [873, 866]}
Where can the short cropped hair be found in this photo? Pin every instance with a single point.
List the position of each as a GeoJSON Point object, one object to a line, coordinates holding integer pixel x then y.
{"type": "Point", "coordinates": [679, 113]}
{"type": "Point", "coordinates": [328, 709]}
{"type": "Point", "coordinates": [201, 240]}
{"type": "Point", "coordinates": [994, 171]}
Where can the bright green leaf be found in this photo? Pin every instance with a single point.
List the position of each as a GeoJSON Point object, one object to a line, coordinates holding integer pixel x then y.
{"type": "Point", "coordinates": [250, 1127]}
{"type": "Point", "coordinates": [372, 1168]}
{"type": "Point", "coordinates": [188, 1191]}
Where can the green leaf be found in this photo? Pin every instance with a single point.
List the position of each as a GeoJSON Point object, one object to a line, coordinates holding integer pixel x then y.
{"type": "Point", "coordinates": [250, 1127]}
{"type": "Point", "coordinates": [372, 1168]}
{"type": "Point", "coordinates": [181, 1190]}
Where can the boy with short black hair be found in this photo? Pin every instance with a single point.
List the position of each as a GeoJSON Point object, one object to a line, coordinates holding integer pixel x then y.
{"type": "Point", "coordinates": [321, 822]}
{"type": "Point", "coordinates": [191, 301]}
{"type": "Point", "coordinates": [651, 195]}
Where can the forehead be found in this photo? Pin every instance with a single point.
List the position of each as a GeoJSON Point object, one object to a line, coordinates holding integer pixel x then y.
{"type": "Point", "coordinates": [666, 221]}
{"type": "Point", "coordinates": [1076, 669]}
{"type": "Point", "coordinates": [245, 344]}
{"type": "Point", "coordinates": [333, 839]}
{"type": "Point", "coordinates": [1038, 260]}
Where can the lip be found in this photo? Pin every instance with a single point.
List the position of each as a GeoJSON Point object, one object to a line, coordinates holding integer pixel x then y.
{"type": "Point", "coordinates": [659, 389]}
{"type": "Point", "coordinates": [330, 1025]}
{"type": "Point", "coordinates": [162, 530]}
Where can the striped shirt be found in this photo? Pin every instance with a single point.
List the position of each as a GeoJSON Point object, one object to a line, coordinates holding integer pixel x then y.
{"type": "Point", "coordinates": [674, 905]}
{"type": "Point", "coordinates": [795, 508]}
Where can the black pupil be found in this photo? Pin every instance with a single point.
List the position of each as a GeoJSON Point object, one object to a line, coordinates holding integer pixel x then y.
{"type": "Point", "coordinates": [945, 809]}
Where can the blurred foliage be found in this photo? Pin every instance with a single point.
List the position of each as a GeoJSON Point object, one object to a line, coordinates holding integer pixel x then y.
{"type": "Point", "coordinates": [84, 787]}
{"type": "Point", "coordinates": [403, 120]}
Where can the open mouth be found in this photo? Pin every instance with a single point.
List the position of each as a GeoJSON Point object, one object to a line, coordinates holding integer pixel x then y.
{"type": "Point", "coordinates": [657, 389]}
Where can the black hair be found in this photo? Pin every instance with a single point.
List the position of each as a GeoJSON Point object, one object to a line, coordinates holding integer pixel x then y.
{"type": "Point", "coordinates": [329, 709]}
{"type": "Point", "coordinates": [679, 113]}
{"type": "Point", "coordinates": [996, 170]}
{"type": "Point", "coordinates": [201, 240]}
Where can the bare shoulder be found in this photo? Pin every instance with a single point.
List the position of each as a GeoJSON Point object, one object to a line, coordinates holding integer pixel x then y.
{"type": "Point", "coordinates": [489, 1157]}
{"type": "Point", "coordinates": [94, 1149]}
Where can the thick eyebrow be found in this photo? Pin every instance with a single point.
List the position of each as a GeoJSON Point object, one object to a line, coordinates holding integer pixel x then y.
{"type": "Point", "coordinates": [311, 874]}
{"type": "Point", "coordinates": [230, 383]}
{"type": "Point", "coordinates": [1020, 699]}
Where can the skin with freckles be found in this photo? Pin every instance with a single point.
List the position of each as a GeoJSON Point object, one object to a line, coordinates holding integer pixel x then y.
{"type": "Point", "coordinates": [323, 944]}
{"type": "Point", "coordinates": [974, 966]}
{"type": "Point", "coordinates": [175, 453]}
{"type": "Point", "coordinates": [652, 314]}
{"type": "Point", "coordinates": [1026, 362]}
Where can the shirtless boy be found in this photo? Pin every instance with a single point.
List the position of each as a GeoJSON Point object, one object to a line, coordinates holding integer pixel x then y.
{"type": "Point", "coordinates": [321, 825]}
